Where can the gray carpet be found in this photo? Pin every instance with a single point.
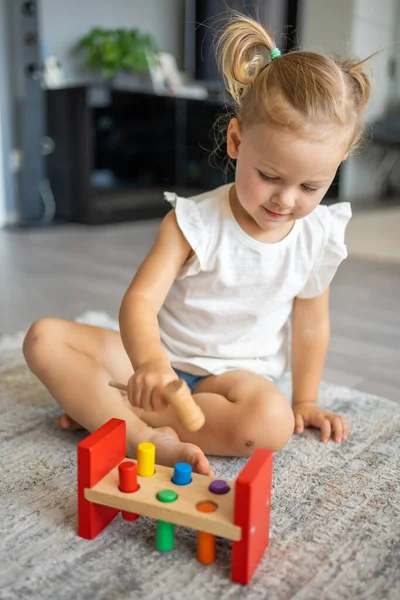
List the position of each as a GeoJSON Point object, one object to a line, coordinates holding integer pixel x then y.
{"type": "Point", "coordinates": [335, 513]}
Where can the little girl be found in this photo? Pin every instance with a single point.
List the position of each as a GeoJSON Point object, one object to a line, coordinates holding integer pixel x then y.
{"type": "Point", "coordinates": [236, 276]}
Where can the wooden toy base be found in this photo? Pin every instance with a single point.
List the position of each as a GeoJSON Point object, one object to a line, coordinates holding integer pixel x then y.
{"type": "Point", "coordinates": [242, 514]}
{"type": "Point", "coordinates": [181, 512]}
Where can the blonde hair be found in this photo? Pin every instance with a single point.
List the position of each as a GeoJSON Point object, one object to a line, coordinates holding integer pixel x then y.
{"type": "Point", "coordinates": [296, 90]}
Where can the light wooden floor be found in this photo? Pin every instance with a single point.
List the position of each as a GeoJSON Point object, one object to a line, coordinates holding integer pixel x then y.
{"type": "Point", "coordinates": [374, 234]}
{"type": "Point", "coordinates": [66, 270]}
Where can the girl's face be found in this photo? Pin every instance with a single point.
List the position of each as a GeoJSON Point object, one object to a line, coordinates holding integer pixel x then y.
{"type": "Point", "coordinates": [280, 177]}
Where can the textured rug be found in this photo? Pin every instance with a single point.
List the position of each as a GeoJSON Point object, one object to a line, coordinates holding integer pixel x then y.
{"type": "Point", "coordinates": [335, 520]}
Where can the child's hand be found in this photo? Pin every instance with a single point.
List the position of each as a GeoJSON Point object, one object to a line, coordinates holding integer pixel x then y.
{"type": "Point", "coordinates": [308, 414]}
{"type": "Point", "coordinates": [146, 385]}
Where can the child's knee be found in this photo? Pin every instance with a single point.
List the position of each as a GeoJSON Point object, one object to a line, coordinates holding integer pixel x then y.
{"type": "Point", "coordinates": [270, 425]}
{"type": "Point", "coordinates": [39, 340]}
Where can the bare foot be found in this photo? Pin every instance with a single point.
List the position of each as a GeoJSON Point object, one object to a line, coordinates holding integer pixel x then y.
{"type": "Point", "coordinates": [65, 422]}
{"type": "Point", "coordinates": [170, 450]}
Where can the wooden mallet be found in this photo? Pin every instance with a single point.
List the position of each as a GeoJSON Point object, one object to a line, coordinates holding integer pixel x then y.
{"type": "Point", "coordinates": [177, 394]}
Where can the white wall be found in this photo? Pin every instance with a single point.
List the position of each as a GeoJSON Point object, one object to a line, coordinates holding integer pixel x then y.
{"type": "Point", "coordinates": [63, 23]}
{"type": "Point", "coordinates": [356, 28]}
{"type": "Point", "coordinates": [375, 31]}
{"type": "Point", "coordinates": [326, 26]}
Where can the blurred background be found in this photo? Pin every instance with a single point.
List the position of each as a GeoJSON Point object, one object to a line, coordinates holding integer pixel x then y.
{"type": "Point", "coordinates": [103, 106]}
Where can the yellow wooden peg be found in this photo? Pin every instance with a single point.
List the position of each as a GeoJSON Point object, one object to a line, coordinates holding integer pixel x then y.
{"type": "Point", "coordinates": [146, 458]}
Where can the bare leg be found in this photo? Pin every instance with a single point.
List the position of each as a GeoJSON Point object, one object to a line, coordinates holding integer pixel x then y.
{"type": "Point", "coordinates": [75, 362]}
{"type": "Point", "coordinates": [243, 411]}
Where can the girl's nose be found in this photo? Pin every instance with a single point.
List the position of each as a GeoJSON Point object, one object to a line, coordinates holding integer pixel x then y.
{"type": "Point", "coordinates": [284, 199]}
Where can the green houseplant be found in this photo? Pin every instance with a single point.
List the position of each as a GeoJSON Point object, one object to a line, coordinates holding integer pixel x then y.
{"type": "Point", "coordinates": [110, 50]}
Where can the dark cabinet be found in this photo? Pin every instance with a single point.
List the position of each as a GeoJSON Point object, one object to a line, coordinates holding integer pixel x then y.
{"type": "Point", "coordinates": [113, 160]}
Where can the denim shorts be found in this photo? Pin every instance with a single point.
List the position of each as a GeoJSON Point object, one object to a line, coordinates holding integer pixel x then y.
{"type": "Point", "coordinates": [191, 380]}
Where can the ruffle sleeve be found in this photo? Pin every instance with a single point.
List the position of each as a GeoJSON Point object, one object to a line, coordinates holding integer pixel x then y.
{"type": "Point", "coordinates": [190, 222]}
{"type": "Point", "coordinates": [334, 221]}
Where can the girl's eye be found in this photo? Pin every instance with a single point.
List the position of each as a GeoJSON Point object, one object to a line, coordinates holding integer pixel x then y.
{"type": "Point", "coordinates": [306, 188]}
{"type": "Point", "coordinates": [267, 177]}
{"type": "Point", "coordinates": [309, 190]}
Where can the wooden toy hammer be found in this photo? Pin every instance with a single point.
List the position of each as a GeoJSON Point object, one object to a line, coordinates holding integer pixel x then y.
{"type": "Point", "coordinates": [177, 394]}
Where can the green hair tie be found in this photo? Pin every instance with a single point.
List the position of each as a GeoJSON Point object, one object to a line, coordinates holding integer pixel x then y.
{"type": "Point", "coordinates": [274, 53]}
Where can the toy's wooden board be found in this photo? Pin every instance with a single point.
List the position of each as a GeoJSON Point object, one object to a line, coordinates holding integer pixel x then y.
{"type": "Point", "coordinates": [252, 514]}
{"type": "Point", "coordinates": [181, 512]}
{"type": "Point", "coordinates": [97, 455]}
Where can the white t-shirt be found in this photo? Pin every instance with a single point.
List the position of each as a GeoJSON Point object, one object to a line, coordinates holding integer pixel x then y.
{"type": "Point", "coordinates": [230, 305]}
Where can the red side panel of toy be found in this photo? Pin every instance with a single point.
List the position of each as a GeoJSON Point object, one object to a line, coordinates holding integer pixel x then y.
{"type": "Point", "coordinates": [98, 454]}
{"type": "Point", "coordinates": [252, 514]}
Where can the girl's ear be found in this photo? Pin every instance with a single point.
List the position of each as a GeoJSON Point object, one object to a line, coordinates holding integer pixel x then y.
{"type": "Point", "coordinates": [233, 138]}
{"type": "Point", "coordinates": [345, 157]}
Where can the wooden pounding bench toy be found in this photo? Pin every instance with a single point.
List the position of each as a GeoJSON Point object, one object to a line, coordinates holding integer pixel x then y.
{"type": "Point", "coordinates": [239, 511]}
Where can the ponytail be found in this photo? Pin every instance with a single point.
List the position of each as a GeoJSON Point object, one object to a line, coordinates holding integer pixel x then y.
{"type": "Point", "coordinates": [296, 90]}
{"type": "Point", "coordinates": [243, 49]}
